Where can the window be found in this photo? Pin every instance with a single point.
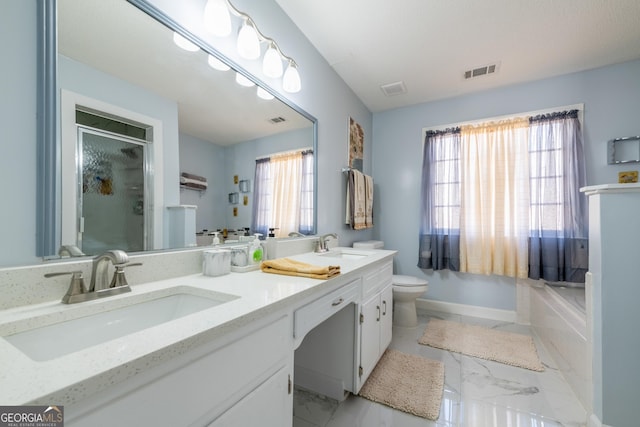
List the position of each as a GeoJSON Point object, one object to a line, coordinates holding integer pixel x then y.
{"type": "Point", "coordinates": [500, 197]}
{"type": "Point", "coordinates": [283, 193]}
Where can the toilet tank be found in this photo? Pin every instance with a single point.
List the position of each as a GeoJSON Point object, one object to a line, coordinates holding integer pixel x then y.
{"type": "Point", "coordinates": [369, 244]}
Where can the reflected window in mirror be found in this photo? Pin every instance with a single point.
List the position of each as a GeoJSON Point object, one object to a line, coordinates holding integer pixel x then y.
{"type": "Point", "coordinates": [283, 193]}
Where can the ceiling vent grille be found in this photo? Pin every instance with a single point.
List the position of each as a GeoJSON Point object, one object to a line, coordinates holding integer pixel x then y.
{"type": "Point", "coordinates": [277, 120]}
{"type": "Point", "coordinates": [393, 89]}
{"type": "Point", "coordinates": [481, 71]}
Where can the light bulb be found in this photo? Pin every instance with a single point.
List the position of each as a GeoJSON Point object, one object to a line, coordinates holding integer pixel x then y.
{"type": "Point", "coordinates": [216, 64]}
{"type": "Point", "coordinates": [243, 81]}
{"type": "Point", "coordinates": [217, 20]}
{"type": "Point", "coordinates": [248, 43]}
{"type": "Point", "coordinates": [264, 94]}
{"type": "Point", "coordinates": [272, 63]}
{"type": "Point", "coordinates": [291, 80]}
{"type": "Point", "coordinates": [184, 43]}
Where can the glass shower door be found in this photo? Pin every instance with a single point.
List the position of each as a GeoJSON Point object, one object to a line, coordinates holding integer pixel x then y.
{"type": "Point", "coordinates": [112, 201]}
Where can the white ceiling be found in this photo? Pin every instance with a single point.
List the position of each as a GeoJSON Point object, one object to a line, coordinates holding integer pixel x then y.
{"type": "Point", "coordinates": [428, 44]}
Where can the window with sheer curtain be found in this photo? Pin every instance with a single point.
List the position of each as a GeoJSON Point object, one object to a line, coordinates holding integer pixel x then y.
{"type": "Point", "coordinates": [503, 198]}
{"type": "Point", "coordinates": [283, 193]}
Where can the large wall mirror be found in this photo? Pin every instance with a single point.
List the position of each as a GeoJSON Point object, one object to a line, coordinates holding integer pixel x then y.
{"type": "Point", "coordinates": [147, 126]}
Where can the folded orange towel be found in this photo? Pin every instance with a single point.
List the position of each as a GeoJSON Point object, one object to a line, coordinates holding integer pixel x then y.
{"type": "Point", "coordinates": [290, 267]}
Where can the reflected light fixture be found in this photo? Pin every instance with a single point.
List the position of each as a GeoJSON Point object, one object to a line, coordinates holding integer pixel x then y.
{"type": "Point", "coordinates": [243, 81]}
{"type": "Point", "coordinates": [216, 64]}
{"type": "Point", "coordinates": [264, 94]}
{"type": "Point", "coordinates": [217, 14]}
{"type": "Point", "coordinates": [184, 43]}
{"type": "Point", "coordinates": [291, 80]}
{"type": "Point", "coordinates": [217, 20]}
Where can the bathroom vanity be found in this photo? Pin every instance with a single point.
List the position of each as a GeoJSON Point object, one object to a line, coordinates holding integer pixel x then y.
{"type": "Point", "coordinates": [198, 350]}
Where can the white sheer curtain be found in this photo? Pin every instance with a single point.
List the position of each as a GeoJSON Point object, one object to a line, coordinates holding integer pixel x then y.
{"type": "Point", "coordinates": [283, 193]}
{"type": "Point", "coordinates": [494, 218]}
{"type": "Point", "coordinates": [286, 171]}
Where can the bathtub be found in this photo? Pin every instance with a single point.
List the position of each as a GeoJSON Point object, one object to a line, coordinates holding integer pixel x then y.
{"type": "Point", "coordinates": [560, 316]}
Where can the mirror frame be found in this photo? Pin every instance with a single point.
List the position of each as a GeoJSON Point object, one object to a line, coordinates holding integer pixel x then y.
{"type": "Point", "coordinates": [48, 135]}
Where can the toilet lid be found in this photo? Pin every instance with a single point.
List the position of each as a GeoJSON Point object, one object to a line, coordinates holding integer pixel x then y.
{"type": "Point", "coordinates": [400, 280]}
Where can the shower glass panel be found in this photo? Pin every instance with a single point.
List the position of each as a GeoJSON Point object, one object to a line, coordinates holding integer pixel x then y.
{"type": "Point", "coordinates": [112, 203]}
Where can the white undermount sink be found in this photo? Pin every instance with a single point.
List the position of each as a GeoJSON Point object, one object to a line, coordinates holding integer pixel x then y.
{"type": "Point", "coordinates": [68, 336]}
{"type": "Point", "coordinates": [346, 253]}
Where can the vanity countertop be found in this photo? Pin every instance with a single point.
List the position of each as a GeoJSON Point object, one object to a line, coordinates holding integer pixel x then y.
{"type": "Point", "coordinates": [69, 378]}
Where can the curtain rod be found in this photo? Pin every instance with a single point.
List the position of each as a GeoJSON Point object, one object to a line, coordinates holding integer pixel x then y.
{"type": "Point", "coordinates": [297, 150]}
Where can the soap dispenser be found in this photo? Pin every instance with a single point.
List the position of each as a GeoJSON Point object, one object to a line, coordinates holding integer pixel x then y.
{"type": "Point", "coordinates": [216, 239]}
{"type": "Point", "coordinates": [255, 249]}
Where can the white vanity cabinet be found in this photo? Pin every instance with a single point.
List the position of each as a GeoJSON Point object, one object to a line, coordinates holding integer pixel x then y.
{"type": "Point", "coordinates": [343, 343]}
{"type": "Point", "coordinates": [238, 380]}
{"type": "Point", "coordinates": [375, 319]}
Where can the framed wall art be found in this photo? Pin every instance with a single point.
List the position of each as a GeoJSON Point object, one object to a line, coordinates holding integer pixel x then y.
{"type": "Point", "coordinates": [356, 145]}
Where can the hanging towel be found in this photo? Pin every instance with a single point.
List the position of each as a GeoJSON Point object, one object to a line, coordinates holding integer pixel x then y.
{"type": "Point", "coordinates": [356, 205]}
{"type": "Point", "coordinates": [290, 267]}
{"type": "Point", "coordinates": [368, 201]}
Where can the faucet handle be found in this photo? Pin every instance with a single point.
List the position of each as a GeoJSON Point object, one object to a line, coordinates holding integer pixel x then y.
{"type": "Point", "coordinates": [76, 287]}
{"type": "Point", "coordinates": [119, 278]}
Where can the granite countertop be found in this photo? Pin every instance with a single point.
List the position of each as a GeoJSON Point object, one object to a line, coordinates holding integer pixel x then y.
{"type": "Point", "coordinates": [69, 378]}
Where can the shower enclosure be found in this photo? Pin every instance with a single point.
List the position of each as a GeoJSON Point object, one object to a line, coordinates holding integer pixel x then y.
{"type": "Point", "coordinates": [112, 197]}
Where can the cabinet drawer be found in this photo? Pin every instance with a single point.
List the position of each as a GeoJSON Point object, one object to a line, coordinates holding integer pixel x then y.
{"type": "Point", "coordinates": [376, 279]}
{"type": "Point", "coordinates": [314, 313]}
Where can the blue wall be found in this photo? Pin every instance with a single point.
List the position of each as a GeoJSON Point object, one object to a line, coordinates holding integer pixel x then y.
{"type": "Point", "coordinates": [205, 159]}
{"type": "Point", "coordinates": [611, 97]}
{"type": "Point", "coordinates": [219, 165]}
{"type": "Point", "coordinates": [18, 132]}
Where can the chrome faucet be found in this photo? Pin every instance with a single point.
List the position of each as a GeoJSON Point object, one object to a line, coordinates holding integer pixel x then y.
{"type": "Point", "coordinates": [70, 251]}
{"type": "Point", "coordinates": [100, 268]}
{"type": "Point", "coordinates": [99, 286]}
{"type": "Point", "coordinates": [322, 243]}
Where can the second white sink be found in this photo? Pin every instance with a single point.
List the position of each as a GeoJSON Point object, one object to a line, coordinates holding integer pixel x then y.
{"type": "Point", "coordinates": [346, 253]}
{"type": "Point", "coordinates": [58, 339]}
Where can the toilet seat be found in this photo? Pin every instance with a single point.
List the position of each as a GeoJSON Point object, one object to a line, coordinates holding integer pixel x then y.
{"type": "Point", "coordinates": [407, 281]}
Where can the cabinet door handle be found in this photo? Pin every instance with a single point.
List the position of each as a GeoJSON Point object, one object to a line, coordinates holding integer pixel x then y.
{"type": "Point", "coordinates": [378, 308]}
{"type": "Point", "coordinates": [384, 304]}
{"type": "Point", "coordinates": [337, 302]}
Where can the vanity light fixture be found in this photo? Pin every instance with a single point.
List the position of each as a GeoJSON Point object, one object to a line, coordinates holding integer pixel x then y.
{"type": "Point", "coordinates": [184, 43]}
{"type": "Point", "coordinates": [248, 44]}
{"type": "Point", "coordinates": [291, 80]}
{"type": "Point", "coordinates": [272, 62]}
{"type": "Point", "coordinates": [216, 64]}
{"type": "Point", "coordinates": [217, 21]}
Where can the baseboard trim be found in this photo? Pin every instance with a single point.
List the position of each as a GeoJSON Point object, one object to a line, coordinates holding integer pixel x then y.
{"type": "Point", "coordinates": [467, 310]}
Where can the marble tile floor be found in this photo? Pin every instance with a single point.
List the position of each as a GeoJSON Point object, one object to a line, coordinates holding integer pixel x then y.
{"type": "Point", "coordinates": [477, 393]}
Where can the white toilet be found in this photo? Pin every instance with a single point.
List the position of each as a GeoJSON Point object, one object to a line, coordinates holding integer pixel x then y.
{"type": "Point", "coordinates": [406, 289]}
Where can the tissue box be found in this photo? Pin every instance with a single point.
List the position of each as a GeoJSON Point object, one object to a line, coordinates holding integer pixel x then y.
{"type": "Point", "coordinates": [216, 262]}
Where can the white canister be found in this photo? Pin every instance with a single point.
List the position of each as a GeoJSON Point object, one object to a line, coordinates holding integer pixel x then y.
{"type": "Point", "coordinates": [239, 256]}
{"type": "Point", "coordinates": [216, 262]}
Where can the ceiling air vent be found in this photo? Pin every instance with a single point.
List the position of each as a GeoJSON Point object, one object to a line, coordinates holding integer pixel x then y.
{"type": "Point", "coordinates": [277, 120]}
{"type": "Point", "coordinates": [392, 89]}
{"type": "Point", "coordinates": [481, 71]}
